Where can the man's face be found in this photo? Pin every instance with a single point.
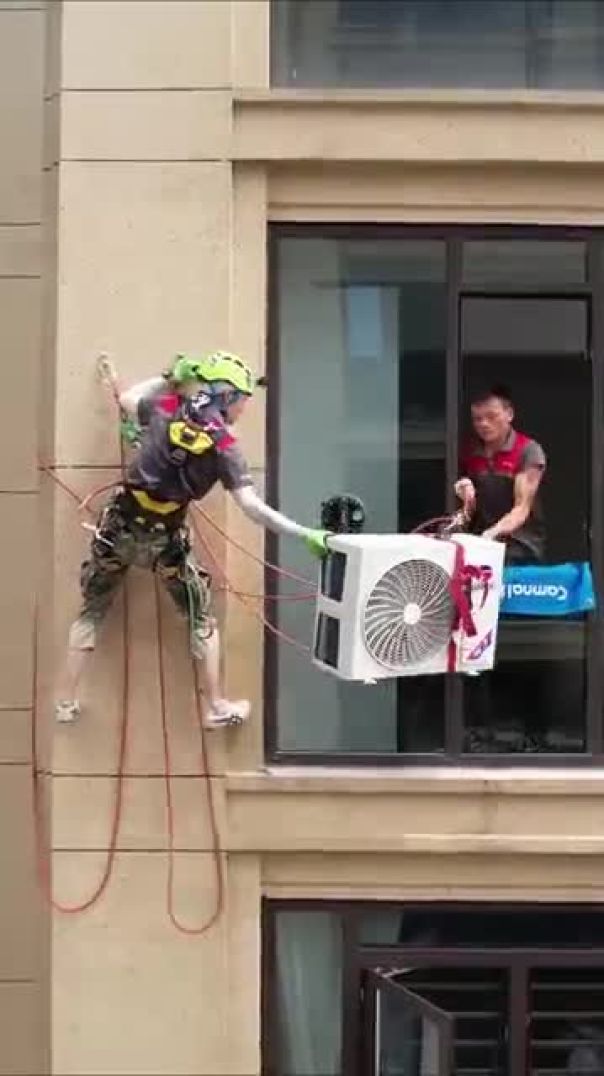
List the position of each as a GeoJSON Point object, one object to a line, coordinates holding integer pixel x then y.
{"type": "Point", "coordinates": [492, 420]}
{"type": "Point", "coordinates": [235, 410]}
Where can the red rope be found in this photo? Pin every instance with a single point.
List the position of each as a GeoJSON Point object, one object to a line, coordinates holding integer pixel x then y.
{"type": "Point", "coordinates": [237, 594]}
{"type": "Point", "coordinates": [43, 853]}
{"type": "Point", "coordinates": [258, 560]}
{"type": "Point", "coordinates": [205, 772]}
{"type": "Point", "coordinates": [43, 860]}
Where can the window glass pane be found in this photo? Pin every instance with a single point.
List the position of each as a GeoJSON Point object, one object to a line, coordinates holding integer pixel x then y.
{"type": "Point", "coordinates": [569, 44]}
{"type": "Point", "coordinates": [411, 1036]}
{"type": "Point", "coordinates": [438, 43]}
{"type": "Point", "coordinates": [481, 926]}
{"type": "Point", "coordinates": [309, 993]}
{"type": "Point", "coordinates": [535, 698]}
{"type": "Point", "coordinates": [361, 410]}
{"type": "Point", "coordinates": [556, 327]}
{"type": "Point", "coordinates": [514, 263]}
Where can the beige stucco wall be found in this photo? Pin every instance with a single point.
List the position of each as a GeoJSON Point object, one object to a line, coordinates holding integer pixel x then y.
{"type": "Point", "coordinates": [24, 920]}
{"type": "Point", "coordinates": [150, 231]}
{"type": "Point", "coordinates": [164, 159]}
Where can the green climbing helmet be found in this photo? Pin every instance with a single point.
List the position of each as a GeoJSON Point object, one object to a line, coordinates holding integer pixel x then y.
{"type": "Point", "coordinates": [221, 370]}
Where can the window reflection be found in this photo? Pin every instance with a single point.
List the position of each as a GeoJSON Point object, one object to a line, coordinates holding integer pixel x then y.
{"type": "Point", "coordinates": [492, 44]}
{"type": "Point", "coordinates": [308, 987]}
{"type": "Point", "coordinates": [362, 386]}
{"type": "Point", "coordinates": [514, 263]}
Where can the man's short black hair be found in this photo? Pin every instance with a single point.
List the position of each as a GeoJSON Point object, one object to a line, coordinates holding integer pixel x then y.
{"type": "Point", "coordinates": [499, 392]}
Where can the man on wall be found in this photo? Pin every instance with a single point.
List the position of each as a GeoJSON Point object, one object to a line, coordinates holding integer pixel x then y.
{"type": "Point", "coordinates": [186, 445]}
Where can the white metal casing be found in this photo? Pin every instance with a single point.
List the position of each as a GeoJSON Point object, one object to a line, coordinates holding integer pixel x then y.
{"type": "Point", "coordinates": [368, 558]}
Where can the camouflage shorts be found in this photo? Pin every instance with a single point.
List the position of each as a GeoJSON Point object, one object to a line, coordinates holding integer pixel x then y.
{"type": "Point", "coordinates": [120, 542]}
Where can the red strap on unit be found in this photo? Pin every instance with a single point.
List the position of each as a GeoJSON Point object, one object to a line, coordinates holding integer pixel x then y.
{"type": "Point", "coordinates": [463, 612]}
{"type": "Point", "coordinates": [483, 574]}
{"type": "Point", "coordinates": [461, 591]}
{"type": "Point", "coordinates": [460, 586]}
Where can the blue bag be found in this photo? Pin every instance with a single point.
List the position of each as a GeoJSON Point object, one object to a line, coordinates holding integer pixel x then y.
{"type": "Point", "coordinates": [547, 590]}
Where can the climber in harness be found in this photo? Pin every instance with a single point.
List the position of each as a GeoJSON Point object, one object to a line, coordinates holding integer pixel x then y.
{"type": "Point", "coordinates": [186, 447]}
{"type": "Point", "coordinates": [501, 472]}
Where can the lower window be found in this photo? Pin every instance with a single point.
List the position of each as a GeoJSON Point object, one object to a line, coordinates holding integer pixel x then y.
{"type": "Point", "coordinates": [439, 990]}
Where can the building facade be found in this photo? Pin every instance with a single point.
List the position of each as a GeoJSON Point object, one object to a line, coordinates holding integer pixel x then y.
{"type": "Point", "coordinates": [382, 204]}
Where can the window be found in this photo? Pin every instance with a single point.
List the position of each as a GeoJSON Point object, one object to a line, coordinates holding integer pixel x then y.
{"type": "Point", "coordinates": [379, 340]}
{"type": "Point", "coordinates": [362, 378]}
{"type": "Point", "coordinates": [491, 44]}
{"type": "Point", "coordinates": [308, 989]}
{"type": "Point", "coordinates": [430, 990]}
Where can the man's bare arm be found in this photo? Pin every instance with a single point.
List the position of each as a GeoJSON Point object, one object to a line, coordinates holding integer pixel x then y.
{"type": "Point", "coordinates": [526, 484]}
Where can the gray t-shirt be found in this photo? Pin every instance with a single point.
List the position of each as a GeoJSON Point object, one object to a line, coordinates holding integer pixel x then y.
{"type": "Point", "coordinates": [532, 456]}
{"type": "Point", "coordinates": [180, 462]}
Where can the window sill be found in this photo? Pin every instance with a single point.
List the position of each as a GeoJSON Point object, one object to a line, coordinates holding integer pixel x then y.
{"type": "Point", "coordinates": [511, 781]}
{"type": "Point", "coordinates": [279, 96]}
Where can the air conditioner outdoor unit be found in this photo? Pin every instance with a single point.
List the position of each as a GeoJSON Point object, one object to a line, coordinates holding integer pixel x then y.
{"type": "Point", "coordinates": [407, 605]}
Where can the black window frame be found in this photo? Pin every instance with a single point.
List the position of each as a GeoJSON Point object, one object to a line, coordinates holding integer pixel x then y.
{"type": "Point", "coordinates": [593, 291]}
{"type": "Point", "coordinates": [359, 956]}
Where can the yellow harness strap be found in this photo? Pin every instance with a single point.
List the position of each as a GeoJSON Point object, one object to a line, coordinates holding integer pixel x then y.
{"type": "Point", "coordinates": [163, 508]}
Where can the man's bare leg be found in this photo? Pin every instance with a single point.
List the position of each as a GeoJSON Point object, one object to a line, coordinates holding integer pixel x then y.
{"type": "Point", "coordinates": [82, 637]}
{"type": "Point", "coordinates": [219, 710]}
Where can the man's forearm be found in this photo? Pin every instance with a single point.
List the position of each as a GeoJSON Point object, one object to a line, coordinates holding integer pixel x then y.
{"type": "Point", "coordinates": [255, 509]}
{"type": "Point", "coordinates": [509, 523]}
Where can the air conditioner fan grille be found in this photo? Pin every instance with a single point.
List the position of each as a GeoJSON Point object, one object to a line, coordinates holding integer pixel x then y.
{"type": "Point", "coordinates": [409, 614]}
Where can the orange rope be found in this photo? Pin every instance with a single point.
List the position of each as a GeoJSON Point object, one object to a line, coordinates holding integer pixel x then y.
{"type": "Point", "coordinates": [43, 854]}
{"type": "Point", "coordinates": [244, 601]}
{"type": "Point", "coordinates": [44, 864]}
{"type": "Point", "coordinates": [205, 773]}
{"type": "Point", "coordinates": [258, 560]}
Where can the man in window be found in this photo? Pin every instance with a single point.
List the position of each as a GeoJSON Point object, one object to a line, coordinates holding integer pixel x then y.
{"type": "Point", "coordinates": [501, 471]}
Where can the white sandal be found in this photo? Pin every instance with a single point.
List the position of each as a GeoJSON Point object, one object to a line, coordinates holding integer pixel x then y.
{"type": "Point", "coordinates": [67, 711]}
{"type": "Point", "coordinates": [224, 714]}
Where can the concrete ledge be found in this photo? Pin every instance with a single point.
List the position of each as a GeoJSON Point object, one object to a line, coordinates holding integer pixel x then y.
{"type": "Point", "coordinates": [453, 875]}
{"type": "Point", "coordinates": [469, 127]}
{"type": "Point", "coordinates": [429, 814]}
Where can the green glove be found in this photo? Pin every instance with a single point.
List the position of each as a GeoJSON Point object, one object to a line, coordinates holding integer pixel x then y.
{"type": "Point", "coordinates": [316, 542]}
{"type": "Point", "coordinates": [130, 431]}
{"type": "Point", "coordinates": [184, 369]}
